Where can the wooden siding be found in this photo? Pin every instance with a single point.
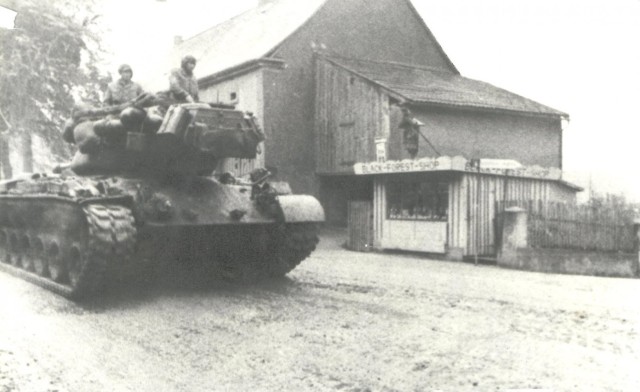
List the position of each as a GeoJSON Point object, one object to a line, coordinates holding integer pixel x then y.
{"type": "Point", "coordinates": [471, 224]}
{"type": "Point", "coordinates": [473, 204]}
{"type": "Point", "coordinates": [350, 114]}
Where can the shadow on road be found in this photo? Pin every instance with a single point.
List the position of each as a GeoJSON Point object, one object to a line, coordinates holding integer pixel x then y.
{"type": "Point", "coordinates": [185, 279]}
{"type": "Point", "coordinates": [180, 283]}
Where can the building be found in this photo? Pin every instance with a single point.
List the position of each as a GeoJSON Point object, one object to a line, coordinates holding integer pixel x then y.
{"type": "Point", "coordinates": [331, 101]}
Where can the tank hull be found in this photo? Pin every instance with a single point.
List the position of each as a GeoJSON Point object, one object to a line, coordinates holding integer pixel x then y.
{"type": "Point", "coordinates": [75, 235]}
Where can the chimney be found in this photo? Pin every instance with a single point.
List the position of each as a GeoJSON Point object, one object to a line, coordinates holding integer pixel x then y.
{"type": "Point", "coordinates": [177, 40]}
{"type": "Point", "coordinates": [264, 2]}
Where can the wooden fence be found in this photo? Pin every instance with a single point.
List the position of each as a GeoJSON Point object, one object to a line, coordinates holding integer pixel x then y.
{"type": "Point", "coordinates": [581, 227]}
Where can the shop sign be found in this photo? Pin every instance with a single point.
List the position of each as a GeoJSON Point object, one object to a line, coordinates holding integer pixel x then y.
{"type": "Point", "coordinates": [486, 166]}
{"type": "Point", "coordinates": [411, 165]}
{"type": "Point", "coordinates": [547, 173]}
{"type": "Point", "coordinates": [381, 150]}
{"type": "Point", "coordinates": [506, 164]}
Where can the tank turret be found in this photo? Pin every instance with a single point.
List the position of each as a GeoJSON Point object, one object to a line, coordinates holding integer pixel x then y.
{"type": "Point", "coordinates": [185, 139]}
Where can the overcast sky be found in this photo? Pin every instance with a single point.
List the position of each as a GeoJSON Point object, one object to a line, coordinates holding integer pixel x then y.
{"type": "Point", "coordinates": [578, 56]}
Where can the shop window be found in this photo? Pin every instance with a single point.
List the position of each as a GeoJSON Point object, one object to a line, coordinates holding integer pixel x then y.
{"type": "Point", "coordinates": [426, 201]}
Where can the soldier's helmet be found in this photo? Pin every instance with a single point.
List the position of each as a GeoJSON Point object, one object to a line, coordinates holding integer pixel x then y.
{"type": "Point", "coordinates": [188, 59]}
{"type": "Point", "coordinates": [124, 67]}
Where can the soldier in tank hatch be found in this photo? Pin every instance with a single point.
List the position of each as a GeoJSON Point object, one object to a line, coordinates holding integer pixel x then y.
{"type": "Point", "coordinates": [124, 89]}
{"type": "Point", "coordinates": [182, 82]}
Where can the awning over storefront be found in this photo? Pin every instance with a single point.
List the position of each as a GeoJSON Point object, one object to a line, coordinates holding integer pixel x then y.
{"type": "Point", "coordinates": [499, 167]}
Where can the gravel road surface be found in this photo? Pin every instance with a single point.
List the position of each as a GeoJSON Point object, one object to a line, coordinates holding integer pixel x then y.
{"type": "Point", "coordinates": [342, 321]}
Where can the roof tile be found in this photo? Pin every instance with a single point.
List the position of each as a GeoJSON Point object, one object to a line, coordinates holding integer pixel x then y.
{"type": "Point", "coordinates": [248, 36]}
{"type": "Point", "coordinates": [428, 85]}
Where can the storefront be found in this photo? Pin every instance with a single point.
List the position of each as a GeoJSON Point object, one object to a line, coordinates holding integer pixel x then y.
{"type": "Point", "coordinates": [415, 214]}
{"type": "Point", "coordinates": [448, 205]}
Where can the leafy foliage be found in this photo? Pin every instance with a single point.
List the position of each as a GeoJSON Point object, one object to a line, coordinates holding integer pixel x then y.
{"type": "Point", "coordinates": [48, 62]}
{"type": "Point", "coordinates": [614, 204]}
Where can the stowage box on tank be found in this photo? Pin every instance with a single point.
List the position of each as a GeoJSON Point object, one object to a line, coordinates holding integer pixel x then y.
{"type": "Point", "coordinates": [141, 189]}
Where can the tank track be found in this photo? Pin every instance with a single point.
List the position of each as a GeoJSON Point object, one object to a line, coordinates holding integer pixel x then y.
{"type": "Point", "coordinates": [294, 243]}
{"type": "Point", "coordinates": [72, 266]}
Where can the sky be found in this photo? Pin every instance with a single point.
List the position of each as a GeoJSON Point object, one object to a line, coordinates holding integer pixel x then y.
{"type": "Point", "coordinates": [7, 18]}
{"type": "Point", "coordinates": [577, 56]}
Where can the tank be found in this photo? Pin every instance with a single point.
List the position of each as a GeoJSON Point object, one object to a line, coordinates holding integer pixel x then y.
{"type": "Point", "coordinates": [143, 190]}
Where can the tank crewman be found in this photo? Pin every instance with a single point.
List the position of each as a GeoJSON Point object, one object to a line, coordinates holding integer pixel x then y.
{"type": "Point", "coordinates": [182, 82]}
{"type": "Point", "coordinates": [124, 89]}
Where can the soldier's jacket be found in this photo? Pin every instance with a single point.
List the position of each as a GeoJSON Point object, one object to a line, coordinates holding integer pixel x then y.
{"type": "Point", "coordinates": [120, 92]}
{"type": "Point", "coordinates": [182, 85]}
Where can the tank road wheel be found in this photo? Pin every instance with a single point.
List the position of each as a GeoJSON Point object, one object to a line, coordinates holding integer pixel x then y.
{"type": "Point", "coordinates": [72, 261]}
{"type": "Point", "coordinates": [75, 264]}
{"type": "Point", "coordinates": [39, 258]}
{"type": "Point", "coordinates": [85, 271]}
{"type": "Point", "coordinates": [56, 263]}
{"type": "Point", "coordinates": [15, 255]}
{"type": "Point", "coordinates": [27, 257]}
{"type": "Point", "coordinates": [294, 242]}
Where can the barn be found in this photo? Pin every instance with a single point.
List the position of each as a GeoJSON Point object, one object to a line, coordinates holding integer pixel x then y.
{"type": "Point", "coordinates": [362, 107]}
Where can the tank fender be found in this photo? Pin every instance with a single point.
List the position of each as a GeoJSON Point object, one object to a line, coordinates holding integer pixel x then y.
{"type": "Point", "coordinates": [300, 208]}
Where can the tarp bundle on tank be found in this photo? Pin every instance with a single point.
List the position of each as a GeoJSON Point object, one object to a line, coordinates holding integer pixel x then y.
{"type": "Point", "coordinates": [153, 133]}
{"type": "Point", "coordinates": [222, 133]}
{"type": "Point", "coordinates": [90, 128]}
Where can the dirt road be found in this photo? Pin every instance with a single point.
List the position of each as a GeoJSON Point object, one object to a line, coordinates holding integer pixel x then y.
{"type": "Point", "coordinates": [341, 321]}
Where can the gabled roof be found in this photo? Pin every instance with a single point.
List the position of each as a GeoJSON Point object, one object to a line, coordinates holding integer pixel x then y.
{"type": "Point", "coordinates": [249, 36]}
{"type": "Point", "coordinates": [428, 30]}
{"type": "Point", "coordinates": [258, 33]}
{"type": "Point", "coordinates": [423, 85]}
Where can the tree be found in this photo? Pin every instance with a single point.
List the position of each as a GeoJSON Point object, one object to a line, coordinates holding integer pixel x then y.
{"type": "Point", "coordinates": [48, 62]}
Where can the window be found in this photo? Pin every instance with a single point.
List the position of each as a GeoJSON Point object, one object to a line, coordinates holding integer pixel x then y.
{"type": "Point", "coordinates": [426, 200]}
